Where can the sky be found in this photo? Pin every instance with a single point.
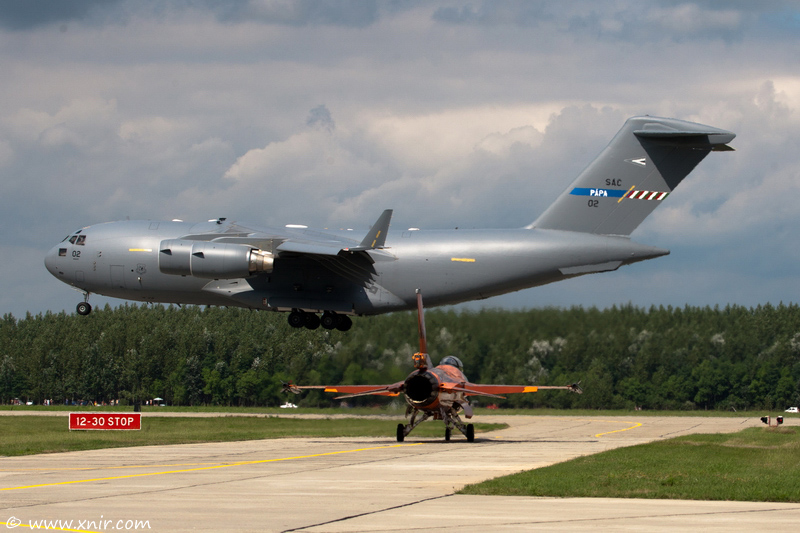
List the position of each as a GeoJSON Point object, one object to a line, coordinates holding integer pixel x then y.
{"type": "Point", "coordinates": [454, 114]}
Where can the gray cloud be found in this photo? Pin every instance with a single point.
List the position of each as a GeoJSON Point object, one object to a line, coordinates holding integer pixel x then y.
{"type": "Point", "coordinates": [320, 117]}
{"type": "Point", "coordinates": [28, 14]}
{"type": "Point", "coordinates": [349, 13]}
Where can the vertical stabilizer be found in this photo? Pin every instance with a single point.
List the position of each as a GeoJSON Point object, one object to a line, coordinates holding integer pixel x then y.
{"type": "Point", "coordinates": [638, 169]}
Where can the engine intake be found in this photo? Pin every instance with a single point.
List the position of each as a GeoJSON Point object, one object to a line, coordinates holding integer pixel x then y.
{"type": "Point", "coordinates": [212, 260]}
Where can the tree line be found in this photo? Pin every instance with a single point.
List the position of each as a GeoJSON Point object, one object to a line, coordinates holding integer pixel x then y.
{"type": "Point", "coordinates": [625, 357]}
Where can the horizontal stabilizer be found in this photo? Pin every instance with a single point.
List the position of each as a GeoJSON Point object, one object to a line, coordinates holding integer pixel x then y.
{"type": "Point", "coordinates": [700, 137]}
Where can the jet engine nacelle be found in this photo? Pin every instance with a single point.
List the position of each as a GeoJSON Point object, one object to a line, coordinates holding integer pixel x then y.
{"type": "Point", "coordinates": [212, 260]}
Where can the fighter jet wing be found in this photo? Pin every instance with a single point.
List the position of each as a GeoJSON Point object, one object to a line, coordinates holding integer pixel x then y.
{"type": "Point", "coordinates": [367, 390]}
{"type": "Point", "coordinates": [473, 389]}
{"type": "Point", "coordinates": [351, 391]}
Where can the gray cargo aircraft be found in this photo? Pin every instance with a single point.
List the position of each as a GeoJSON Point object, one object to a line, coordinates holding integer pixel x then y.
{"type": "Point", "coordinates": [308, 272]}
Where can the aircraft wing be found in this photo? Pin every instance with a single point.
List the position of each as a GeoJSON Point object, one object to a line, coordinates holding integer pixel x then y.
{"type": "Point", "coordinates": [374, 240]}
{"type": "Point", "coordinates": [351, 391]}
{"type": "Point", "coordinates": [473, 389]}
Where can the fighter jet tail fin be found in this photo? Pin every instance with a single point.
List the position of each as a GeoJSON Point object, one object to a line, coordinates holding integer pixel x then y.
{"type": "Point", "coordinates": [638, 169]}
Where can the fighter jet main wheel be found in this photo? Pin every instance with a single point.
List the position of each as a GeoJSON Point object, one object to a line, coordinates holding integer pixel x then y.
{"type": "Point", "coordinates": [470, 433]}
{"type": "Point", "coordinates": [83, 308]}
{"type": "Point", "coordinates": [447, 433]}
{"type": "Point", "coordinates": [401, 433]}
{"type": "Point", "coordinates": [297, 319]}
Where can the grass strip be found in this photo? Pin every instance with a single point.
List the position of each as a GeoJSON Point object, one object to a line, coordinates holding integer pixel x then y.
{"type": "Point", "coordinates": [756, 464]}
{"type": "Point", "coordinates": [27, 435]}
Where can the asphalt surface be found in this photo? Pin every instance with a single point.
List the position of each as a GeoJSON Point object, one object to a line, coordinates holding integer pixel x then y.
{"type": "Point", "coordinates": [360, 484]}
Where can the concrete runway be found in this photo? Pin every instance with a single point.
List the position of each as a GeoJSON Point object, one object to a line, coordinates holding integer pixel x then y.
{"type": "Point", "coordinates": [361, 484]}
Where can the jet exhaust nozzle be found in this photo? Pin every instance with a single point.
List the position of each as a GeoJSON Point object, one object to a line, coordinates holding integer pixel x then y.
{"type": "Point", "coordinates": [421, 388]}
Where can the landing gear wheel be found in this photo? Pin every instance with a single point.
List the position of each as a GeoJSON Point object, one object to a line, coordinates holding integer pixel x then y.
{"type": "Point", "coordinates": [447, 433]}
{"type": "Point", "coordinates": [401, 433]}
{"type": "Point", "coordinates": [329, 320]}
{"type": "Point", "coordinates": [83, 308]}
{"type": "Point", "coordinates": [344, 323]}
{"type": "Point", "coordinates": [297, 319]}
{"type": "Point", "coordinates": [312, 321]}
{"type": "Point", "coordinates": [470, 433]}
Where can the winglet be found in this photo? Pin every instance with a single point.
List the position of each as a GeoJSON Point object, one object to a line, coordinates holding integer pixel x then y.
{"type": "Point", "coordinates": [376, 237]}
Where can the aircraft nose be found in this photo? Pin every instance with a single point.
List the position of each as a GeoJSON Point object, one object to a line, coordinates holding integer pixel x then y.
{"type": "Point", "coordinates": [50, 261]}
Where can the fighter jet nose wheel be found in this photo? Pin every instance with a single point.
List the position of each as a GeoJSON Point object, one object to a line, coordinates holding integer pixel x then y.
{"type": "Point", "coordinates": [83, 308]}
{"type": "Point", "coordinates": [401, 433]}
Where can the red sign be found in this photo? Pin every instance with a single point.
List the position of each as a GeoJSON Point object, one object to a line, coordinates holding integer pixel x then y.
{"type": "Point", "coordinates": [105, 421]}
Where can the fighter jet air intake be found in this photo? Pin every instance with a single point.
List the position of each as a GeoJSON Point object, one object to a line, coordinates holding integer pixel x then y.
{"type": "Point", "coordinates": [323, 277]}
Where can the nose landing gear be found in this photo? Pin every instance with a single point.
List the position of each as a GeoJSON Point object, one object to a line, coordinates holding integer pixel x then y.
{"type": "Point", "coordinates": [84, 308]}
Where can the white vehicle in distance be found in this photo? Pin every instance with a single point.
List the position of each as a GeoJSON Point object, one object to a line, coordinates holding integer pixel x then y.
{"type": "Point", "coordinates": [792, 410]}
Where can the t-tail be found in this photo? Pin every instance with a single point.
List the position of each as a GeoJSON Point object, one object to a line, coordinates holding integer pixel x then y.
{"type": "Point", "coordinates": [638, 169]}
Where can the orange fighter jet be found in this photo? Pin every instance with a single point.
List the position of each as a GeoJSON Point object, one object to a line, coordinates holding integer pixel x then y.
{"type": "Point", "coordinates": [439, 392]}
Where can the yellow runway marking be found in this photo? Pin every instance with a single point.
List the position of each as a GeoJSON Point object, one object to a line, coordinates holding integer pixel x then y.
{"type": "Point", "coordinates": [81, 468]}
{"type": "Point", "coordinates": [634, 426]}
{"type": "Point", "coordinates": [259, 461]}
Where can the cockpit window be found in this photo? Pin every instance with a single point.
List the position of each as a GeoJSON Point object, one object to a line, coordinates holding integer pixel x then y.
{"type": "Point", "coordinates": [81, 240]}
{"type": "Point", "coordinates": [452, 360]}
{"type": "Point", "coordinates": [76, 237]}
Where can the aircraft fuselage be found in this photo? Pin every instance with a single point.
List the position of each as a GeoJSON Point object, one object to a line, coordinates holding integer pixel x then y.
{"type": "Point", "coordinates": [126, 259]}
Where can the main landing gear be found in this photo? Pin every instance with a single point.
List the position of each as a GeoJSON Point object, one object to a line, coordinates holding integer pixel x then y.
{"type": "Point", "coordinates": [328, 320]}
{"type": "Point", "coordinates": [449, 416]}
